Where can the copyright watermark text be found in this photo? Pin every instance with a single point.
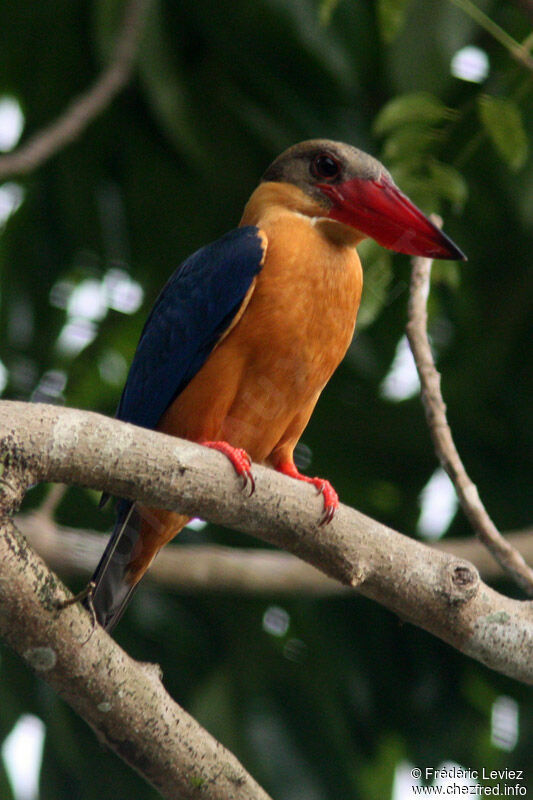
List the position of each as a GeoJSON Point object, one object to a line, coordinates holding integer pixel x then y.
{"type": "Point", "coordinates": [455, 781]}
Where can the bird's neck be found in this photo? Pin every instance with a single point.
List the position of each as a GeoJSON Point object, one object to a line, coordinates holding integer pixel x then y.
{"type": "Point", "coordinates": [272, 201]}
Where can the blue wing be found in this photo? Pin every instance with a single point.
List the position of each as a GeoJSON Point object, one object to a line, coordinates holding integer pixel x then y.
{"type": "Point", "coordinates": [193, 310]}
{"type": "Point", "coordinates": [190, 315]}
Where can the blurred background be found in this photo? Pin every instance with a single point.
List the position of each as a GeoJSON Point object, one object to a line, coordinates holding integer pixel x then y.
{"type": "Point", "coordinates": [322, 698]}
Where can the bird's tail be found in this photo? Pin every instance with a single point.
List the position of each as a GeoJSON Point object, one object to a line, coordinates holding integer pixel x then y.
{"type": "Point", "coordinates": [113, 590]}
{"type": "Point", "coordinates": [138, 535]}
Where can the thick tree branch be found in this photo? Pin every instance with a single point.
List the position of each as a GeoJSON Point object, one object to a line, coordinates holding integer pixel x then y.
{"type": "Point", "coordinates": [83, 109]}
{"type": "Point", "coordinates": [435, 408]}
{"type": "Point", "coordinates": [124, 701]}
{"type": "Point", "coordinates": [436, 591]}
{"type": "Point", "coordinates": [216, 568]}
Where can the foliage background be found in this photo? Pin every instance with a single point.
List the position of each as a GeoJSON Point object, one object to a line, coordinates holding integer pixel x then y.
{"type": "Point", "coordinates": [328, 708]}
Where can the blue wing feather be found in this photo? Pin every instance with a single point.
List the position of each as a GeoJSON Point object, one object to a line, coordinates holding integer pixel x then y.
{"type": "Point", "coordinates": [193, 310]}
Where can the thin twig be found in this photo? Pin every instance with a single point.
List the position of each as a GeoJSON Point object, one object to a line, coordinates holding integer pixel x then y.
{"type": "Point", "coordinates": [84, 108]}
{"type": "Point", "coordinates": [518, 51]}
{"type": "Point", "coordinates": [435, 408]}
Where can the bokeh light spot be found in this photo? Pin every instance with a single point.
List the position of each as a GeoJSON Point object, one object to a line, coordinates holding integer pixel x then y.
{"type": "Point", "coordinates": [22, 753]}
{"type": "Point", "coordinates": [4, 375]}
{"type": "Point", "coordinates": [75, 335]}
{"type": "Point", "coordinates": [123, 293]}
{"type": "Point", "coordinates": [438, 504]}
{"type": "Point", "coordinates": [88, 301]}
{"type": "Point", "coordinates": [196, 524]}
{"type": "Point", "coordinates": [504, 723]}
{"type": "Point", "coordinates": [276, 621]}
{"type": "Point", "coordinates": [11, 197]}
{"type": "Point", "coordinates": [50, 388]}
{"type": "Point", "coordinates": [113, 367]}
{"type": "Point", "coordinates": [470, 64]}
{"type": "Point", "coordinates": [401, 381]}
{"type": "Point", "coordinates": [295, 650]}
{"type": "Point", "coordinates": [11, 123]}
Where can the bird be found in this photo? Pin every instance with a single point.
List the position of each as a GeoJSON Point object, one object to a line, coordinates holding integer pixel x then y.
{"type": "Point", "coordinates": [247, 332]}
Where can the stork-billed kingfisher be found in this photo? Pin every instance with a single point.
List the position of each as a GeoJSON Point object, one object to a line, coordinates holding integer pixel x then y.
{"type": "Point", "coordinates": [248, 330]}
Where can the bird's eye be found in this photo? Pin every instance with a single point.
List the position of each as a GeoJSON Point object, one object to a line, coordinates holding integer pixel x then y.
{"type": "Point", "coordinates": [325, 167]}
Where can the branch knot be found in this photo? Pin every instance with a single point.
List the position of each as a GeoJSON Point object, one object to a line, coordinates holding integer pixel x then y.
{"type": "Point", "coordinates": [461, 581]}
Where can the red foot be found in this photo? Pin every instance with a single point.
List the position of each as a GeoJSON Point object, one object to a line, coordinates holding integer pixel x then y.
{"type": "Point", "coordinates": [331, 498]}
{"type": "Point", "coordinates": [240, 460]}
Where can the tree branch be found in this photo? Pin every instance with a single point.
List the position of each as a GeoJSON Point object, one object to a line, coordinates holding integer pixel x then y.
{"type": "Point", "coordinates": [435, 408]}
{"type": "Point", "coordinates": [123, 700]}
{"type": "Point", "coordinates": [520, 52]}
{"type": "Point", "coordinates": [83, 109]}
{"type": "Point", "coordinates": [438, 592]}
{"type": "Point", "coordinates": [217, 568]}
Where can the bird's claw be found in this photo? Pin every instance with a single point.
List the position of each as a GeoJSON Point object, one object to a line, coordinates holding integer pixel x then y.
{"type": "Point", "coordinates": [85, 597]}
{"type": "Point", "coordinates": [244, 470]}
{"type": "Point", "coordinates": [240, 460]}
{"type": "Point", "coordinates": [331, 500]}
{"type": "Point", "coordinates": [323, 487]}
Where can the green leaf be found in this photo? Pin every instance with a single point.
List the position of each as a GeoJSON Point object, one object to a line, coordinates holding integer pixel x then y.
{"type": "Point", "coordinates": [448, 183]}
{"type": "Point", "coordinates": [377, 774]}
{"type": "Point", "coordinates": [502, 120]}
{"type": "Point", "coordinates": [391, 17]}
{"type": "Point", "coordinates": [403, 142]}
{"type": "Point", "coordinates": [380, 286]}
{"type": "Point", "coordinates": [413, 180]}
{"type": "Point", "coordinates": [420, 107]}
{"type": "Point", "coordinates": [447, 273]}
{"type": "Point", "coordinates": [326, 11]}
{"type": "Point", "coordinates": [426, 181]}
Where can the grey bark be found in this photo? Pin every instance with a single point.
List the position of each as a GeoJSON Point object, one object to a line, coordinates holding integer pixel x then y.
{"type": "Point", "coordinates": [438, 592]}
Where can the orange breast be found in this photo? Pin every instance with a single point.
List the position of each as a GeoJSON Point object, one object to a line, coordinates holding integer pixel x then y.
{"type": "Point", "coordinates": [259, 386]}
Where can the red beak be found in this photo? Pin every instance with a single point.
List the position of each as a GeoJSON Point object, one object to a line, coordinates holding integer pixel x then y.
{"type": "Point", "coordinates": [380, 210]}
